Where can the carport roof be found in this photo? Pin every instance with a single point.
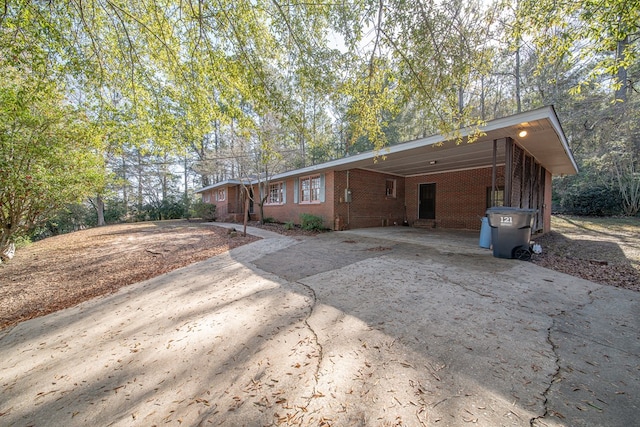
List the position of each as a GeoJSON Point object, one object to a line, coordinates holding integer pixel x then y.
{"type": "Point", "coordinates": [545, 141]}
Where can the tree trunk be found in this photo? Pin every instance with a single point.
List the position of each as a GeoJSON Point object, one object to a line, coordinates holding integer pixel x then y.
{"type": "Point", "coordinates": [483, 112]}
{"type": "Point", "coordinates": [125, 184]}
{"type": "Point", "coordinates": [140, 172]}
{"type": "Point", "coordinates": [246, 215]}
{"type": "Point", "coordinates": [99, 205]}
{"type": "Point", "coordinates": [517, 72]}
{"type": "Point", "coordinates": [621, 92]}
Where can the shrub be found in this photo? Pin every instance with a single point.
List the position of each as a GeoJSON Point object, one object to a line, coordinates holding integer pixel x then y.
{"type": "Point", "coordinates": [268, 220]}
{"type": "Point", "coordinates": [22, 242]}
{"type": "Point", "coordinates": [311, 222]}
{"type": "Point", "coordinates": [289, 225]}
{"type": "Point", "coordinates": [203, 210]}
{"type": "Point", "coordinates": [594, 201]}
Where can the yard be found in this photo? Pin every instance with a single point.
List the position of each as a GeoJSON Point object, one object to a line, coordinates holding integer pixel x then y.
{"type": "Point", "coordinates": [603, 250]}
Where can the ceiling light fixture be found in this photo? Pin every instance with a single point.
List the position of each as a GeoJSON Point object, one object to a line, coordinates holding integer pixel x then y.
{"type": "Point", "coordinates": [522, 133]}
{"type": "Point", "coordinates": [432, 162]}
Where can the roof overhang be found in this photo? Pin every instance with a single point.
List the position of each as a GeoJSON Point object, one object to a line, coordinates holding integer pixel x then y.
{"type": "Point", "coordinates": [221, 184]}
{"type": "Point", "coordinates": [545, 141]}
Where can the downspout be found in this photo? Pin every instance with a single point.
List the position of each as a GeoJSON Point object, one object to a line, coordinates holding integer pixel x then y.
{"type": "Point", "coordinates": [348, 204]}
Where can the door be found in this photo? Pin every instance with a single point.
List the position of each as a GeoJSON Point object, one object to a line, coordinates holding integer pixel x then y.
{"type": "Point", "coordinates": [427, 202]}
{"type": "Point", "coordinates": [250, 200]}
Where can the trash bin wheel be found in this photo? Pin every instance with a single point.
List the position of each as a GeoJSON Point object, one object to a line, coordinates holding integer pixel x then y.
{"type": "Point", "coordinates": [522, 253]}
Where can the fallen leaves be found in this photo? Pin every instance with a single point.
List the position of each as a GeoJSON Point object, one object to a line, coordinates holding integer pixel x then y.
{"type": "Point", "coordinates": [62, 271]}
{"type": "Point", "coordinates": [575, 257]}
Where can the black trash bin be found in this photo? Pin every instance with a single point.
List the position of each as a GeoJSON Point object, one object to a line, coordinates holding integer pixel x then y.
{"type": "Point", "coordinates": [511, 231]}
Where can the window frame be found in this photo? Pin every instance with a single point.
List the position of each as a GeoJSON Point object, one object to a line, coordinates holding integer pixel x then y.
{"type": "Point", "coordinates": [221, 195]}
{"type": "Point", "coordinates": [500, 195]}
{"type": "Point", "coordinates": [390, 190]}
{"type": "Point", "coordinates": [314, 192]}
{"type": "Point", "coordinates": [280, 192]}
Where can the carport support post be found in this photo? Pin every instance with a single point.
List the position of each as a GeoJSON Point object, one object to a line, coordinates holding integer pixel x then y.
{"type": "Point", "coordinates": [508, 172]}
{"type": "Point", "coordinates": [494, 190]}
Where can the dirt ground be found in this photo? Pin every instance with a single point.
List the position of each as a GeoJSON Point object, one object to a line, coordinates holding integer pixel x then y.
{"type": "Point", "coordinates": [602, 250]}
{"type": "Point", "coordinates": [62, 271]}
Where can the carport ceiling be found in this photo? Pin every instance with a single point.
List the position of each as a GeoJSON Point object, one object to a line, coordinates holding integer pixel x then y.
{"type": "Point", "coordinates": [435, 158]}
{"type": "Point", "coordinates": [431, 155]}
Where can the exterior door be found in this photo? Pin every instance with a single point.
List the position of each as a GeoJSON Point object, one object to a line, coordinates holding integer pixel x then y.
{"type": "Point", "coordinates": [427, 202]}
{"type": "Point", "coordinates": [250, 200]}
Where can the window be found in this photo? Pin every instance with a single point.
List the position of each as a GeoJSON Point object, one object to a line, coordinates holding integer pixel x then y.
{"type": "Point", "coordinates": [310, 187]}
{"type": "Point", "coordinates": [390, 188]}
{"type": "Point", "coordinates": [495, 198]}
{"type": "Point", "coordinates": [222, 195]}
{"type": "Point", "coordinates": [276, 193]}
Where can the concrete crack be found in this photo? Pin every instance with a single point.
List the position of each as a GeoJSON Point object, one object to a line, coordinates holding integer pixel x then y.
{"type": "Point", "coordinates": [554, 378]}
{"type": "Point", "coordinates": [447, 279]}
{"type": "Point", "coordinates": [314, 300]}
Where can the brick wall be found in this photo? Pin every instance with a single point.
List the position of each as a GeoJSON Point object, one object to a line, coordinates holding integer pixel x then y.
{"type": "Point", "coordinates": [461, 200]}
{"type": "Point", "coordinates": [370, 205]}
{"type": "Point", "coordinates": [229, 209]}
{"type": "Point", "coordinates": [222, 208]}
{"type": "Point", "coordinates": [461, 197]}
{"type": "Point", "coordinates": [291, 211]}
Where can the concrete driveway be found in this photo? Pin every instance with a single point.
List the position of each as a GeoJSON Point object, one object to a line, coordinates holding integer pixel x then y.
{"type": "Point", "coordinates": [376, 327]}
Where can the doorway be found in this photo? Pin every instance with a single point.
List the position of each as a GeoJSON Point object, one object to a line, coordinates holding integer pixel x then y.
{"type": "Point", "coordinates": [427, 201]}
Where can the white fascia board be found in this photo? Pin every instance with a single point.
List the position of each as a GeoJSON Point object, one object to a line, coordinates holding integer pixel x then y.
{"type": "Point", "coordinates": [555, 121]}
{"type": "Point", "coordinates": [220, 184]}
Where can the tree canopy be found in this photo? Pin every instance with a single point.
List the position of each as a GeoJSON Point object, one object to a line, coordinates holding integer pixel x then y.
{"type": "Point", "coordinates": [49, 153]}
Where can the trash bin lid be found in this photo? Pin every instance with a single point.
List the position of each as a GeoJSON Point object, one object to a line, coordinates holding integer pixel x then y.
{"type": "Point", "coordinates": [507, 210]}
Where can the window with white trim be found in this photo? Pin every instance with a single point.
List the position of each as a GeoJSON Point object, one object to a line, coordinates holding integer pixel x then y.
{"type": "Point", "coordinates": [276, 193]}
{"type": "Point", "coordinates": [390, 188]}
{"type": "Point", "coordinates": [495, 197]}
{"type": "Point", "coordinates": [222, 195]}
{"type": "Point", "coordinates": [310, 189]}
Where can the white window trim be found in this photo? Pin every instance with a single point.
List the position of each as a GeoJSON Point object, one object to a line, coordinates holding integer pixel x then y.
{"type": "Point", "coordinates": [390, 194]}
{"type": "Point", "coordinates": [282, 194]}
{"type": "Point", "coordinates": [223, 192]}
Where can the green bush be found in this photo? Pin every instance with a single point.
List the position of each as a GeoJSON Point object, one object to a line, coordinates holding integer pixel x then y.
{"type": "Point", "coordinates": [268, 220]}
{"type": "Point", "coordinates": [203, 210]}
{"type": "Point", "coordinates": [597, 200]}
{"type": "Point", "coordinates": [22, 242]}
{"type": "Point", "coordinates": [289, 225]}
{"type": "Point", "coordinates": [311, 222]}
{"type": "Point", "coordinates": [115, 211]}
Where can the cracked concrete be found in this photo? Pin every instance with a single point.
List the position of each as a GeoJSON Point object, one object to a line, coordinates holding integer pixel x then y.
{"type": "Point", "coordinates": [534, 422]}
{"type": "Point", "coordinates": [390, 326]}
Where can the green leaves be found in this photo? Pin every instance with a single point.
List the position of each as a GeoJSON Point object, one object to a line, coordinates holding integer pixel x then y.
{"type": "Point", "coordinates": [50, 155]}
{"type": "Point", "coordinates": [594, 31]}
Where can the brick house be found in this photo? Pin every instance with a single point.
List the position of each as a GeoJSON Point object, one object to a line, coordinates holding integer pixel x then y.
{"type": "Point", "coordinates": [429, 182]}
